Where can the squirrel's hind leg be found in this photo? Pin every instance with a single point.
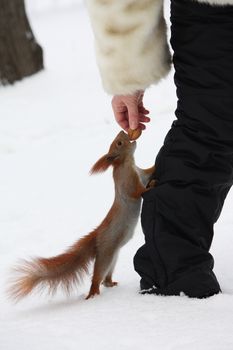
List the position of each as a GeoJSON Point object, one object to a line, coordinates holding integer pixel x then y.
{"type": "Point", "coordinates": [108, 282]}
{"type": "Point", "coordinates": [103, 263]}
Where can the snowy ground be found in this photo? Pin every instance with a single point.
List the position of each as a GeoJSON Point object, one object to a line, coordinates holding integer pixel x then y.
{"type": "Point", "coordinates": [53, 127]}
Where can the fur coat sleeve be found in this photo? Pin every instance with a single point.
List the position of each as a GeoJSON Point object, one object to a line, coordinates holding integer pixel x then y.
{"type": "Point", "coordinates": [131, 43]}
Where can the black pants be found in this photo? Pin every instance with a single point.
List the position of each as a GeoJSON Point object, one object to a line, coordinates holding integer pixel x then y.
{"type": "Point", "coordinates": [194, 168]}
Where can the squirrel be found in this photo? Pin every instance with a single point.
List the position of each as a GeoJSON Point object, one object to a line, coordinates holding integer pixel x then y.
{"type": "Point", "coordinates": [102, 245]}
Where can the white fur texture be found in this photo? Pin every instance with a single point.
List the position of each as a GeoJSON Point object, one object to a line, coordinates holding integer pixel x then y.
{"type": "Point", "coordinates": [131, 43]}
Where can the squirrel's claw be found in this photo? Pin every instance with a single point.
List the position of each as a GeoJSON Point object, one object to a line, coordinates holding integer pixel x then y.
{"type": "Point", "coordinates": [92, 293]}
{"type": "Point", "coordinates": [152, 183]}
{"type": "Point", "coordinates": [110, 283]}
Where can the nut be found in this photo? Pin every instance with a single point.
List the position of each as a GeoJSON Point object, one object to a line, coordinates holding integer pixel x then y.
{"type": "Point", "coordinates": [134, 134]}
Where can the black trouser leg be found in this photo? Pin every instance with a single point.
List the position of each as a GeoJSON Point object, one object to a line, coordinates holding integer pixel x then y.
{"type": "Point", "coordinates": [194, 168]}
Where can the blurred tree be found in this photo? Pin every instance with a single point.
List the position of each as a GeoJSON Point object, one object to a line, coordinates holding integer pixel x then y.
{"type": "Point", "coordinates": [20, 54]}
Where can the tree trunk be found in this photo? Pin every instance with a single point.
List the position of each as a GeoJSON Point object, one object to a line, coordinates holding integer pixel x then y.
{"type": "Point", "coordinates": [20, 54]}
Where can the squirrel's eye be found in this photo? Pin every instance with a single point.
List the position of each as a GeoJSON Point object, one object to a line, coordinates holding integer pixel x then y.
{"type": "Point", "coordinates": [119, 143]}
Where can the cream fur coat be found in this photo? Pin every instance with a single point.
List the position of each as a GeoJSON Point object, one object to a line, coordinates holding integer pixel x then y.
{"type": "Point", "coordinates": [131, 42]}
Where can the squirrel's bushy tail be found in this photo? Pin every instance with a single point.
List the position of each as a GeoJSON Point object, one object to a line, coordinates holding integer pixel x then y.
{"type": "Point", "coordinates": [65, 270]}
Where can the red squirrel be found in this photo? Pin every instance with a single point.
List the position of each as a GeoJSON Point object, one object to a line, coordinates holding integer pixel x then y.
{"type": "Point", "coordinates": [102, 245]}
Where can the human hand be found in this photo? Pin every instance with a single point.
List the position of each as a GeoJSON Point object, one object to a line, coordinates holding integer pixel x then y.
{"type": "Point", "coordinates": [129, 111]}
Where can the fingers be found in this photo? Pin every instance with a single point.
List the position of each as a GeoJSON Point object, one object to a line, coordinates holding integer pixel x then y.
{"type": "Point", "coordinates": [144, 119]}
{"type": "Point", "coordinates": [134, 116]}
{"type": "Point", "coordinates": [142, 126]}
{"type": "Point", "coordinates": [124, 124]}
{"type": "Point", "coordinates": [137, 114]}
{"type": "Point", "coordinates": [123, 120]}
{"type": "Point", "coordinates": [130, 112]}
{"type": "Point", "coordinates": [143, 110]}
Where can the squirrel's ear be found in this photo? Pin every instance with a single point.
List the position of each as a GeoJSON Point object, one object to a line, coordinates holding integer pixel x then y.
{"type": "Point", "coordinates": [103, 163]}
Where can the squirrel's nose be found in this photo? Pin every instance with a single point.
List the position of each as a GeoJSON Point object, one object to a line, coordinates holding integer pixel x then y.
{"type": "Point", "coordinates": [122, 133]}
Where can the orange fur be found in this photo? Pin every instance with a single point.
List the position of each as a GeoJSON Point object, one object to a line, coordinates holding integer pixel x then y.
{"type": "Point", "coordinates": [101, 165]}
{"type": "Point", "coordinates": [101, 245]}
{"type": "Point", "coordinates": [65, 270]}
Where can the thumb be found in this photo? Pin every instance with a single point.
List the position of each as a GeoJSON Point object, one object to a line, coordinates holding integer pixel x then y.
{"type": "Point", "coordinates": [133, 117]}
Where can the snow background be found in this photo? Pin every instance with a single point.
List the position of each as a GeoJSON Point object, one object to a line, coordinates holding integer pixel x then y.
{"type": "Point", "coordinates": [53, 127]}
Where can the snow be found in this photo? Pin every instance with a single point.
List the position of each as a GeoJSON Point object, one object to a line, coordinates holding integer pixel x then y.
{"type": "Point", "coordinates": [53, 127]}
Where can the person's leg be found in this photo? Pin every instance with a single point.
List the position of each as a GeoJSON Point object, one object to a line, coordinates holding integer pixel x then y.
{"type": "Point", "coordinates": [194, 168]}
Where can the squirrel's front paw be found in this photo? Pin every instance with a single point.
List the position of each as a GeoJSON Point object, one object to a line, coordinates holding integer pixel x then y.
{"type": "Point", "coordinates": [151, 184]}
